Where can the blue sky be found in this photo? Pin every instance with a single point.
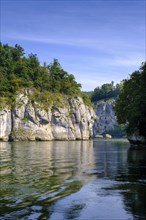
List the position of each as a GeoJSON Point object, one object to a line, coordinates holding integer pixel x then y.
{"type": "Point", "coordinates": [96, 41]}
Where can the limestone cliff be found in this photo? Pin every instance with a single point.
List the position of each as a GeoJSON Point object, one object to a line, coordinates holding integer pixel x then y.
{"type": "Point", "coordinates": [27, 121]}
{"type": "Point", "coordinates": [5, 124]}
{"type": "Point", "coordinates": [106, 119]}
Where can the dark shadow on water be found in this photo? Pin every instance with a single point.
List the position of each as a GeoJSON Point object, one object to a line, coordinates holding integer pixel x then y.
{"type": "Point", "coordinates": [135, 197]}
{"type": "Point", "coordinates": [137, 156]}
{"type": "Point", "coordinates": [137, 163]}
{"type": "Point", "coordinates": [127, 166]}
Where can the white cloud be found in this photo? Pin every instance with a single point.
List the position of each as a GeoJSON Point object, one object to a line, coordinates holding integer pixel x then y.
{"type": "Point", "coordinates": [112, 45]}
{"type": "Point", "coordinates": [127, 61]}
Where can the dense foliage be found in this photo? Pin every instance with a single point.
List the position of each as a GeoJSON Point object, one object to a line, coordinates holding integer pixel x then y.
{"type": "Point", "coordinates": [106, 91]}
{"type": "Point", "coordinates": [21, 73]}
{"type": "Point", "coordinates": [131, 104]}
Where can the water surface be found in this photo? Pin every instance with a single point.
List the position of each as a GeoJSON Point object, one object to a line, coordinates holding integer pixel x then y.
{"type": "Point", "coordinates": [78, 180]}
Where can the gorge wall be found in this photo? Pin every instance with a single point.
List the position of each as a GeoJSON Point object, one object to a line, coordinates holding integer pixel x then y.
{"type": "Point", "coordinates": [105, 117]}
{"type": "Point", "coordinates": [71, 121]}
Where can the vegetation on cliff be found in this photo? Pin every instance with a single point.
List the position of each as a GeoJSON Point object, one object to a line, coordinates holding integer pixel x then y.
{"type": "Point", "coordinates": [19, 73]}
{"type": "Point", "coordinates": [131, 104]}
{"type": "Point", "coordinates": [105, 92]}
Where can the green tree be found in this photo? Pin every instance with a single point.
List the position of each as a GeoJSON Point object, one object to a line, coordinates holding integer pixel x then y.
{"type": "Point", "coordinates": [61, 81]}
{"type": "Point", "coordinates": [131, 104]}
{"type": "Point", "coordinates": [20, 73]}
{"type": "Point", "coordinates": [106, 91]}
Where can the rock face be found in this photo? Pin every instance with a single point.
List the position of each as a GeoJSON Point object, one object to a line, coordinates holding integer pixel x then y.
{"type": "Point", "coordinates": [106, 119]}
{"type": "Point", "coordinates": [5, 124]}
{"type": "Point", "coordinates": [137, 140]}
{"type": "Point", "coordinates": [28, 122]}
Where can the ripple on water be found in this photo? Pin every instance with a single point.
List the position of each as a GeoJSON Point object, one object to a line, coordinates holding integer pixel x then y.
{"type": "Point", "coordinates": [52, 194]}
{"type": "Point", "coordinates": [69, 180]}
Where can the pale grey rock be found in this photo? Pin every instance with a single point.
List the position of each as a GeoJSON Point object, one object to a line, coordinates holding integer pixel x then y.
{"type": "Point", "coordinates": [73, 121]}
{"type": "Point", "coordinates": [32, 123]}
{"type": "Point", "coordinates": [106, 118]}
{"type": "Point", "coordinates": [5, 124]}
{"type": "Point", "coordinates": [82, 119]}
{"type": "Point", "coordinates": [29, 122]}
{"type": "Point", "coordinates": [42, 134]}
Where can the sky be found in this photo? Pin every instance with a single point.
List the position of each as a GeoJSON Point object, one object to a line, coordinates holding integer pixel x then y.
{"type": "Point", "coordinates": [98, 41]}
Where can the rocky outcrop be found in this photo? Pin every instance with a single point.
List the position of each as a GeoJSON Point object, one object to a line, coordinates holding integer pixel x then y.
{"type": "Point", "coordinates": [5, 124]}
{"type": "Point", "coordinates": [137, 140]}
{"type": "Point", "coordinates": [106, 119]}
{"type": "Point", "coordinates": [73, 120]}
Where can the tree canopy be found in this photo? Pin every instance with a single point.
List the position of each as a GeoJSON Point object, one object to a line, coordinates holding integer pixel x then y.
{"type": "Point", "coordinates": [19, 72]}
{"type": "Point", "coordinates": [131, 104]}
{"type": "Point", "coordinates": [106, 91]}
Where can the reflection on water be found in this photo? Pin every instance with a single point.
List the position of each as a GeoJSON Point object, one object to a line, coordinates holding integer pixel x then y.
{"type": "Point", "coordinates": [135, 199]}
{"type": "Point", "coordinates": [41, 172]}
{"type": "Point", "coordinates": [72, 180]}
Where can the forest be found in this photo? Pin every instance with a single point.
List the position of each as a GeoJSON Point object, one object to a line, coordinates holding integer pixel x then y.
{"type": "Point", "coordinates": [106, 91]}
{"type": "Point", "coordinates": [19, 73]}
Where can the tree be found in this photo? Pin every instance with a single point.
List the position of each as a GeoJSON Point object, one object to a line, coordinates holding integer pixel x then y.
{"type": "Point", "coordinates": [106, 91]}
{"type": "Point", "coordinates": [61, 81]}
{"type": "Point", "coordinates": [18, 72]}
{"type": "Point", "coordinates": [130, 106]}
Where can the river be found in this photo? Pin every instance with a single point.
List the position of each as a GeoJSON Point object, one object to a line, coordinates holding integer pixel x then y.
{"type": "Point", "coordinates": [78, 180]}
